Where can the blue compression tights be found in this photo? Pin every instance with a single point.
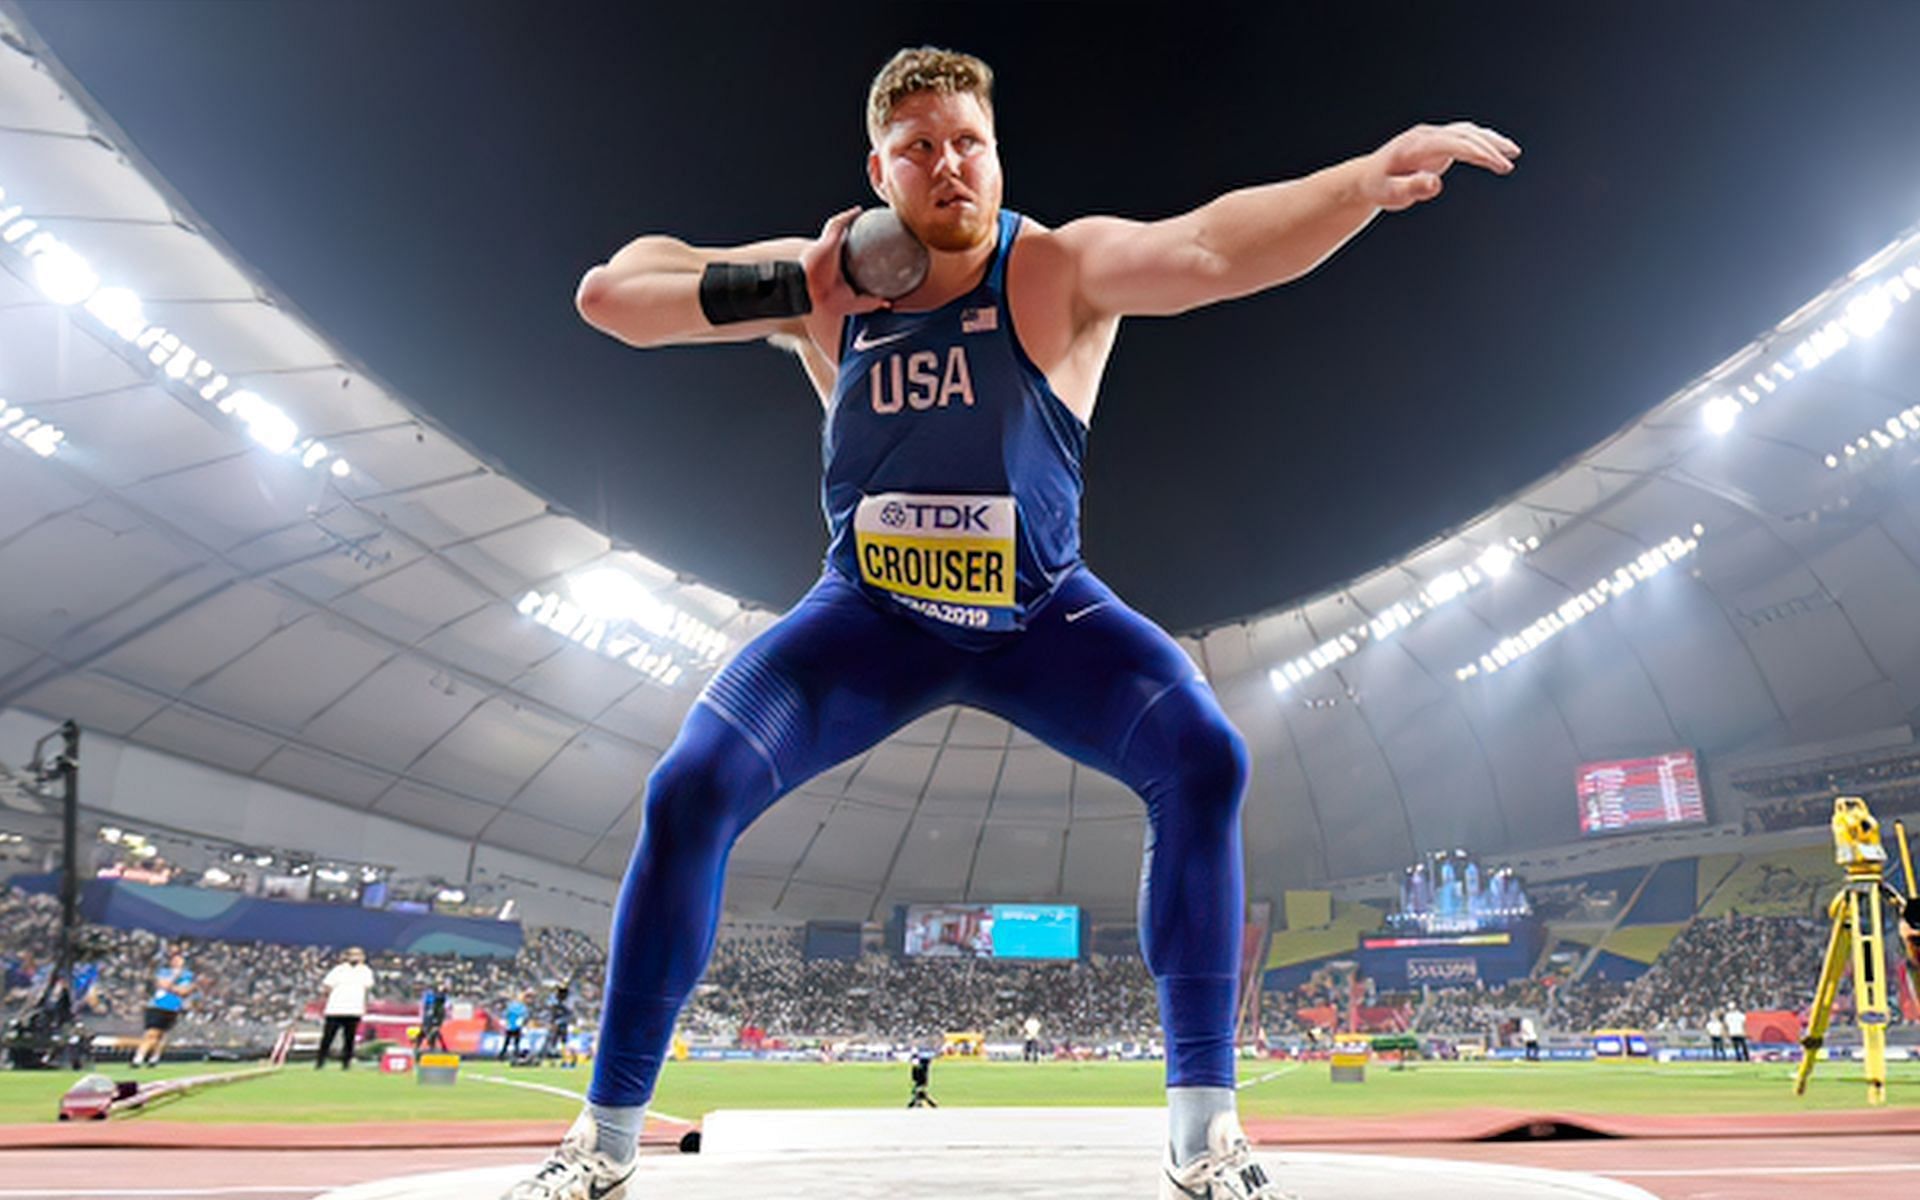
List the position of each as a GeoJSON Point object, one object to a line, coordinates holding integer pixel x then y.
{"type": "Point", "coordinates": [1089, 677]}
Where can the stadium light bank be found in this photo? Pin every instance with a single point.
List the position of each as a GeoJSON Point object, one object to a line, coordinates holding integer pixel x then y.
{"type": "Point", "coordinates": [67, 278]}
{"type": "Point", "coordinates": [1869, 305]}
{"type": "Point", "coordinates": [623, 623]}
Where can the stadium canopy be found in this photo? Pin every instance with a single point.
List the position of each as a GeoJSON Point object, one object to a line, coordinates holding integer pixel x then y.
{"type": "Point", "coordinates": [223, 539]}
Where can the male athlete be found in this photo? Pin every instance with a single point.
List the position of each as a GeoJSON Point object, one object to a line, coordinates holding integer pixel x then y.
{"type": "Point", "coordinates": [955, 424]}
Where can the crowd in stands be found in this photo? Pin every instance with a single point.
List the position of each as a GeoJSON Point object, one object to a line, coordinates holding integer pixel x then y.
{"type": "Point", "coordinates": [1899, 799]}
{"type": "Point", "coordinates": [1740, 961]}
{"type": "Point", "coordinates": [1833, 777]}
{"type": "Point", "coordinates": [1481, 1011]}
{"type": "Point", "coordinates": [1586, 1006]}
{"type": "Point", "coordinates": [765, 982]}
{"type": "Point", "coordinates": [1752, 963]}
{"type": "Point", "coordinates": [246, 991]}
{"type": "Point", "coordinates": [1801, 794]}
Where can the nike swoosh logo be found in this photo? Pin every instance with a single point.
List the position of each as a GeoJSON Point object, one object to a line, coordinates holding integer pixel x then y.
{"type": "Point", "coordinates": [1077, 613]}
{"type": "Point", "coordinates": [860, 341]}
{"type": "Point", "coordinates": [596, 1192]}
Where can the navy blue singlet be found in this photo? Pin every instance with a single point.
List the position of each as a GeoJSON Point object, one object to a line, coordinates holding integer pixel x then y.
{"type": "Point", "coordinates": [952, 483]}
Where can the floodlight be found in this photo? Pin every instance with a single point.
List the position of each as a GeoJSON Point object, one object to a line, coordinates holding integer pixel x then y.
{"type": "Point", "coordinates": [1446, 586]}
{"type": "Point", "coordinates": [62, 275]}
{"type": "Point", "coordinates": [44, 440]}
{"type": "Point", "coordinates": [1496, 561]}
{"type": "Point", "coordinates": [608, 592]}
{"type": "Point", "coordinates": [1720, 413]}
{"type": "Point", "coordinates": [119, 310]}
{"type": "Point", "coordinates": [1867, 313]}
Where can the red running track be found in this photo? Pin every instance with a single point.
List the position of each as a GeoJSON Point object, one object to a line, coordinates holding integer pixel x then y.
{"type": "Point", "coordinates": [1774, 1168]}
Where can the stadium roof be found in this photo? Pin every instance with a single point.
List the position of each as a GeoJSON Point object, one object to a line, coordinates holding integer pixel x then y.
{"type": "Point", "coordinates": [224, 539]}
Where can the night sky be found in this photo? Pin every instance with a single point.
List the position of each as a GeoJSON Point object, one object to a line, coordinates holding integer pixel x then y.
{"type": "Point", "coordinates": [427, 181]}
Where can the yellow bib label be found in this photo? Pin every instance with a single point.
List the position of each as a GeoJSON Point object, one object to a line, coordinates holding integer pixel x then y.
{"type": "Point", "coordinates": [949, 549]}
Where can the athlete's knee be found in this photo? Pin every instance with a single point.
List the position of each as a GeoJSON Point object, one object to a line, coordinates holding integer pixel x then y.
{"type": "Point", "coordinates": [1186, 751]}
{"type": "Point", "coordinates": [1215, 768]}
{"type": "Point", "coordinates": [707, 789]}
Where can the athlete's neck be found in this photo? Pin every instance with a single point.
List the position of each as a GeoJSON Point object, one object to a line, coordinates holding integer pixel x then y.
{"type": "Point", "coordinates": [953, 273]}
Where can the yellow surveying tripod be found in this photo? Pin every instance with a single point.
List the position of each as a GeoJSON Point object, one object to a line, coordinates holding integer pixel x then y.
{"type": "Point", "coordinates": [1858, 925]}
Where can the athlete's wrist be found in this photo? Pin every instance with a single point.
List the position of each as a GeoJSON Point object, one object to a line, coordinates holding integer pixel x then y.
{"type": "Point", "coordinates": [734, 292]}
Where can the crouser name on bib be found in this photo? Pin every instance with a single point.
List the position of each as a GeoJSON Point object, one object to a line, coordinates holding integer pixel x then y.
{"type": "Point", "coordinates": [951, 549]}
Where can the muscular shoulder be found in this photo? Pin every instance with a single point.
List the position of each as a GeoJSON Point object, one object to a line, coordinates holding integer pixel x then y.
{"type": "Point", "coordinates": [1041, 285]}
{"type": "Point", "coordinates": [1042, 265]}
{"type": "Point", "coordinates": [1068, 341]}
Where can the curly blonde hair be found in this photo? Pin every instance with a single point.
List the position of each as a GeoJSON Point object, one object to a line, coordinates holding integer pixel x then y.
{"type": "Point", "coordinates": [925, 69]}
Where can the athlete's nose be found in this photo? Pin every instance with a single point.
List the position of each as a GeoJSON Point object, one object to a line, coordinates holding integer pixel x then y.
{"type": "Point", "coordinates": [949, 161]}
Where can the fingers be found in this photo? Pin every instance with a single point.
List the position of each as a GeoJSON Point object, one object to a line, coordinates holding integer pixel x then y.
{"type": "Point", "coordinates": [836, 226]}
{"type": "Point", "coordinates": [1489, 149]}
{"type": "Point", "coordinates": [1472, 146]}
{"type": "Point", "coordinates": [1436, 147]}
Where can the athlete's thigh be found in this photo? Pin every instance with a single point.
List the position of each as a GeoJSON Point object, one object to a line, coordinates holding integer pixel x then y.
{"type": "Point", "coordinates": [830, 678]}
{"type": "Point", "coordinates": [1083, 673]}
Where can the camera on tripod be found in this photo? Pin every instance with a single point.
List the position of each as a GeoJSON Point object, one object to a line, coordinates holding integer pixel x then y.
{"type": "Point", "coordinates": [1855, 941]}
{"type": "Point", "coordinates": [1856, 837]}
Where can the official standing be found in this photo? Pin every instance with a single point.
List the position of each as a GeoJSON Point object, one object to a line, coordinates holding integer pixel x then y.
{"type": "Point", "coordinates": [347, 986]}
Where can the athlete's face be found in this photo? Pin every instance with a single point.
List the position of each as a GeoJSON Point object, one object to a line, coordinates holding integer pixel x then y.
{"type": "Point", "coordinates": [939, 167]}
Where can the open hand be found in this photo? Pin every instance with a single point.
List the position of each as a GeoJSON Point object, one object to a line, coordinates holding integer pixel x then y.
{"type": "Point", "coordinates": [1407, 169]}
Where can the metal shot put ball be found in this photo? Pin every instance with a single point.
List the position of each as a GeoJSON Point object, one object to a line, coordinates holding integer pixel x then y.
{"type": "Point", "coordinates": [881, 257]}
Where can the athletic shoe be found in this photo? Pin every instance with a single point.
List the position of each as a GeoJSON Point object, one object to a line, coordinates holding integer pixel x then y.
{"type": "Point", "coordinates": [576, 1171]}
{"type": "Point", "coordinates": [1227, 1171]}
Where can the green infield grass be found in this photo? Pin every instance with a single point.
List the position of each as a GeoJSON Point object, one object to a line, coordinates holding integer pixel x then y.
{"type": "Point", "coordinates": [1272, 1089]}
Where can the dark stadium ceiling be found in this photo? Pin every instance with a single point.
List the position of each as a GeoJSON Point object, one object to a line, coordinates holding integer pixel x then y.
{"type": "Point", "coordinates": [222, 539]}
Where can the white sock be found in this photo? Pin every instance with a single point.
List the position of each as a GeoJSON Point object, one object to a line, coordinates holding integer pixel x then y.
{"type": "Point", "coordinates": [618, 1129]}
{"type": "Point", "coordinates": [1190, 1110]}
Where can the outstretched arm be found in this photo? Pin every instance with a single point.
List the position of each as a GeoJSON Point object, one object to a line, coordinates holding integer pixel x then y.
{"type": "Point", "coordinates": [648, 294]}
{"type": "Point", "coordinates": [1258, 237]}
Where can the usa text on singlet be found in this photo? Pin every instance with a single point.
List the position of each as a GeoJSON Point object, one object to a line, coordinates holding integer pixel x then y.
{"type": "Point", "coordinates": [952, 483]}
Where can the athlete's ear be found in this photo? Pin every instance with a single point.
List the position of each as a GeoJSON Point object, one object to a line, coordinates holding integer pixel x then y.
{"type": "Point", "coordinates": [875, 179]}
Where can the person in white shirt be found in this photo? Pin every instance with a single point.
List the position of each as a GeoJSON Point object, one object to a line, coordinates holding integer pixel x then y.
{"type": "Point", "coordinates": [1737, 1033]}
{"type": "Point", "coordinates": [1717, 1034]}
{"type": "Point", "coordinates": [347, 986]}
{"type": "Point", "coordinates": [1032, 1049]}
{"type": "Point", "coordinates": [1530, 1037]}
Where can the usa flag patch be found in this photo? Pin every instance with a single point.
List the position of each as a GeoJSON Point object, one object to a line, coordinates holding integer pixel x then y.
{"type": "Point", "coordinates": [980, 320]}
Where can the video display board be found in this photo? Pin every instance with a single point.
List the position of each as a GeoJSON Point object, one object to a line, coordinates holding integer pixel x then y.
{"type": "Point", "coordinates": [992, 931]}
{"type": "Point", "coordinates": [1630, 794]}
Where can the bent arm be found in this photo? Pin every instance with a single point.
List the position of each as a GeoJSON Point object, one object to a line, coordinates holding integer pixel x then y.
{"type": "Point", "coordinates": [648, 294]}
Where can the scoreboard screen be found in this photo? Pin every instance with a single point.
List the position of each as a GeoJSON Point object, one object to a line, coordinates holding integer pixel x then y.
{"type": "Point", "coordinates": [992, 931]}
{"type": "Point", "coordinates": [1630, 794]}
